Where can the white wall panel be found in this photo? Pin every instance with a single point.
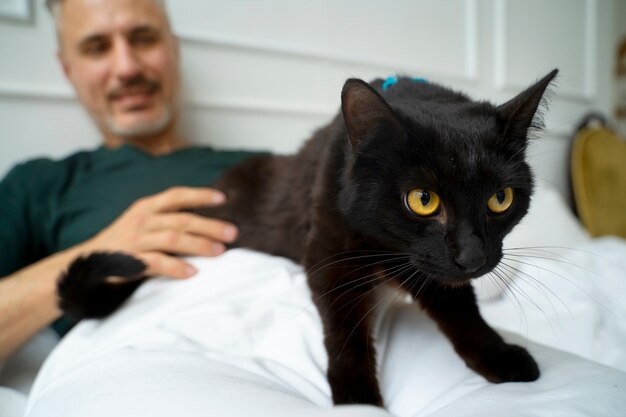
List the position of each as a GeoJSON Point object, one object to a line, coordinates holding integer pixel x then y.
{"type": "Point", "coordinates": [277, 24]}
{"type": "Point", "coordinates": [38, 127]}
{"type": "Point", "coordinates": [233, 74]}
{"type": "Point", "coordinates": [249, 129]}
{"type": "Point", "coordinates": [27, 52]}
{"type": "Point", "coordinates": [408, 35]}
{"type": "Point", "coordinates": [533, 35]}
{"type": "Point", "coordinates": [398, 35]}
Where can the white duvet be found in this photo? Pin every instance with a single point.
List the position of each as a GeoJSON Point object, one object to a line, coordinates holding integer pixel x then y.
{"type": "Point", "coordinates": [243, 338]}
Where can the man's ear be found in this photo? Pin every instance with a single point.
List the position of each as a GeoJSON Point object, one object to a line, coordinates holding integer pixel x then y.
{"type": "Point", "coordinates": [64, 64]}
{"type": "Point", "coordinates": [520, 113]}
{"type": "Point", "coordinates": [366, 113]}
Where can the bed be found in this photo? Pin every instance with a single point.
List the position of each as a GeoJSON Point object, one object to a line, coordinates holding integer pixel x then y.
{"type": "Point", "coordinates": [243, 338]}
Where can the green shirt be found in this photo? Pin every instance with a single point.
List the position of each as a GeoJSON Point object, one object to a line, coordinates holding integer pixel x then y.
{"type": "Point", "coordinates": [47, 206]}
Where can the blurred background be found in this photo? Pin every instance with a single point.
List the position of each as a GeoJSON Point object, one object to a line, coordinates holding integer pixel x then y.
{"type": "Point", "coordinates": [266, 73]}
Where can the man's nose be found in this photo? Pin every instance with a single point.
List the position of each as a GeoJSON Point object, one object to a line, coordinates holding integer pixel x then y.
{"type": "Point", "coordinates": [127, 64]}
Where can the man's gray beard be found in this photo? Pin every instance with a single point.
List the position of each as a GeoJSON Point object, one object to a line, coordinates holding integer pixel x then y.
{"type": "Point", "coordinates": [142, 129]}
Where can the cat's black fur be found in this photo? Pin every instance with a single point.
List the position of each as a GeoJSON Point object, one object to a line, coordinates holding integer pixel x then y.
{"type": "Point", "coordinates": [341, 200]}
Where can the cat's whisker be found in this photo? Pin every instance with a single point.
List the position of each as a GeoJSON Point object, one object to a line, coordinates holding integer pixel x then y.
{"type": "Point", "coordinates": [512, 289]}
{"type": "Point", "coordinates": [311, 272]}
{"type": "Point", "coordinates": [350, 282]}
{"type": "Point", "coordinates": [514, 286]}
{"type": "Point", "coordinates": [539, 253]}
{"type": "Point", "coordinates": [535, 283]}
{"type": "Point", "coordinates": [395, 259]}
{"type": "Point", "coordinates": [316, 299]}
{"type": "Point", "coordinates": [527, 277]}
{"type": "Point", "coordinates": [502, 284]}
{"type": "Point", "coordinates": [428, 278]}
{"type": "Point", "coordinates": [395, 255]}
{"type": "Point", "coordinates": [522, 253]}
{"type": "Point", "coordinates": [313, 301]}
{"type": "Point", "coordinates": [387, 276]}
{"type": "Point", "coordinates": [583, 290]}
{"type": "Point", "coordinates": [561, 257]}
{"type": "Point", "coordinates": [355, 303]}
{"type": "Point", "coordinates": [569, 248]}
{"type": "Point", "coordinates": [512, 297]}
{"type": "Point", "coordinates": [517, 258]}
{"type": "Point", "coordinates": [359, 251]}
{"type": "Point", "coordinates": [370, 310]}
{"type": "Point", "coordinates": [402, 290]}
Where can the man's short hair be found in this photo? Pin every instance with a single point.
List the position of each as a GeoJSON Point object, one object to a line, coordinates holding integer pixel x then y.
{"type": "Point", "coordinates": [54, 7]}
{"type": "Point", "coordinates": [50, 4]}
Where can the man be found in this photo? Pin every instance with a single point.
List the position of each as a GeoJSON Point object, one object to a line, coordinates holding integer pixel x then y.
{"type": "Point", "coordinates": [122, 59]}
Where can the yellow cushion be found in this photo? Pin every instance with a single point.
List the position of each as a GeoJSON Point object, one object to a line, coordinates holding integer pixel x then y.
{"type": "Point", "coordinates": [599, 180]}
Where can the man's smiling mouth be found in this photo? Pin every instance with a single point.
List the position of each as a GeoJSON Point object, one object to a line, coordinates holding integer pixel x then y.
{"type": "Point", "coordinates": [134, 97]}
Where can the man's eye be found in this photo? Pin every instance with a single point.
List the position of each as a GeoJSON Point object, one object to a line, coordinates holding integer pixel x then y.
{"type": "Point", "coordinates": [144, 39]}
{"type": "Point", "coordinates": [95, 48]}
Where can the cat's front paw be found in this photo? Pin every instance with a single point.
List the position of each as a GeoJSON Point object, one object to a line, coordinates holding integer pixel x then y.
{"type": "Point", "coordinates": [506, 363]}
{"type": "Point", "coordinates": [353, 389]}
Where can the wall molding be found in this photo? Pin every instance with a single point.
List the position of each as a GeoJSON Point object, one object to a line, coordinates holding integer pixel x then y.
{"type": "Point", "coordinates": [470, 43]}
{"type": "Point", "coordinates": [56, 94]}
{"type": "Point", "coordinates": [305, 53]}
{"type": "Point", "coordinates": [261, 106]}
{"type": "Point", "coordinates": [29, 92]}
{"type": "Point", "coordinates": [588, 91]}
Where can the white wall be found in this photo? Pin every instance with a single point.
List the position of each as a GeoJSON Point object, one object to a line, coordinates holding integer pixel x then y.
{"type": "Point", "coordinates": [266, 73]}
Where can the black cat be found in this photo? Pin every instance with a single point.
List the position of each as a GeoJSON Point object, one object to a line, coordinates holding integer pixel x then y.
{"type": "Point", "coordinates": [411, 184]}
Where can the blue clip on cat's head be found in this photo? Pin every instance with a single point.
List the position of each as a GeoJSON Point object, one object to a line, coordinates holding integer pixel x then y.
{"type": "Point", "coordinates": [392, 80]}
{"type": "Point", "coordinates": [389, 82]}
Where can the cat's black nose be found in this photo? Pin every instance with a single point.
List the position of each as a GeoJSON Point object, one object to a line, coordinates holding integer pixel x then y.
{"type": "Point", "coordinates": [470, 260]}
{"type": "Point", "coordinates": [467, 248]}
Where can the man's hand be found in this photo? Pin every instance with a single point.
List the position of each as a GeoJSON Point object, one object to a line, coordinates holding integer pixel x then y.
{"type": "Point", "coordinates": [153, 228]}
{"type": "Point", "coordinates": [150, 229]}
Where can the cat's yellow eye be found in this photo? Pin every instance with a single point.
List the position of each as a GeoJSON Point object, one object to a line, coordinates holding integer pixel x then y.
{"type": "Point", "coordinates": [423, 202]}
{"type": "Point", "coordinates": [501, 201]}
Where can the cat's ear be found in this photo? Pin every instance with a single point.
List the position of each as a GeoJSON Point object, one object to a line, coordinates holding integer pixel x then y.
{"type": "Point", "coordinates": [521, 113]}
{"type": "Point", "coordinates": [366, 113]}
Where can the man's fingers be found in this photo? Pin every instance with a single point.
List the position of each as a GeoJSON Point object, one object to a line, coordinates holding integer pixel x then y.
{"type": "Point", "coordinates": [160, 264]}
{"type": "Point", "coordinates": [180, 243]}
{"type": "Point", "coordinates": [191, 223]}
{"type": "Point", "coordinates": [178, 198]}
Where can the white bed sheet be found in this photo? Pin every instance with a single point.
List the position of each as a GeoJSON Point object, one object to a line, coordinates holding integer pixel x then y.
{"type": "Point", "coordinates": [243, 338]}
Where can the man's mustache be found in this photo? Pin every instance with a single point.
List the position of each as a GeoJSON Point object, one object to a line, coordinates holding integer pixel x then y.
{"type": "Point", "coordinates": [138, 85]}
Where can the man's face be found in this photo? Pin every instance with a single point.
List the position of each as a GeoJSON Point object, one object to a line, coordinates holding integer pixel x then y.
{"type": "Point", "coordinates": [122, 60]}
